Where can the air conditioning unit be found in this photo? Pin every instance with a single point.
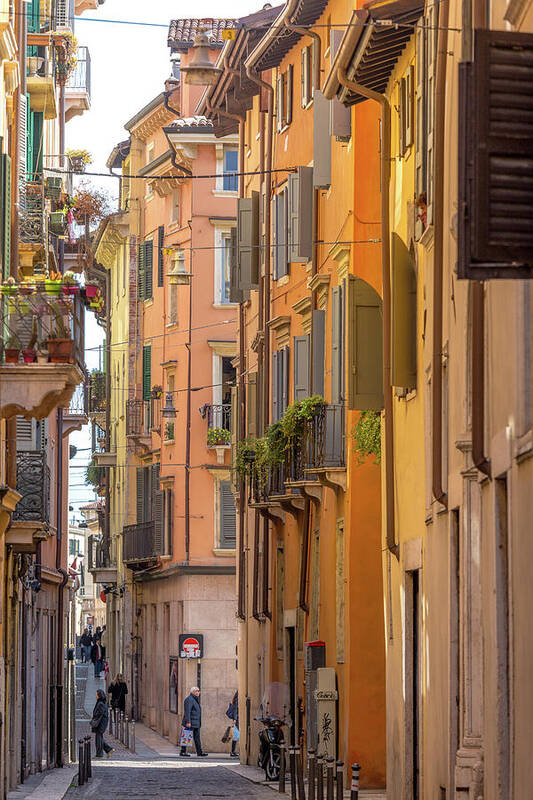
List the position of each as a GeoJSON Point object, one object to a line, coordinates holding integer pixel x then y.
{"type": "Point", "coordinates": [64, 14]}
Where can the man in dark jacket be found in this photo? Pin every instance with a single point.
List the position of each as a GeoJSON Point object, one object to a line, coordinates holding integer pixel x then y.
{"type": "Point", "coordinates": [99, 724]}
{"type": "Point", "coordinates": [86, 642]}
{"type": "Point", "coordinates": [192, 718]}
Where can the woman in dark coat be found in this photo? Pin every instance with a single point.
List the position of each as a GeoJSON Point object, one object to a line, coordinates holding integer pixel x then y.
{"type": "Point", "coordinates": [99, 724]}
{"type": "Point", "coordinates": [118, 691]}
{"type": "Point", "coordinates": [233, 714]}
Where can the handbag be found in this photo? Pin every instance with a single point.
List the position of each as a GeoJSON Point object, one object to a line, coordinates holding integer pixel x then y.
{"type": "Point", "coordinates": [227, 735]}
{"type": "Point", "coordinates": [236, 734]}
{"type": "Point", "coordinates": [186, 737]}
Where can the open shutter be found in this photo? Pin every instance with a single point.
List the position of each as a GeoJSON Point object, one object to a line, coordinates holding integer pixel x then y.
{"type": "Point", "coordinates": [275, 249]}
{"type": "Point", "coordinates": [300, 214]}
{"type": "Point", "coordinates": [305, 77]}
{"type": "Point", "coordinates": [141, 263]}
{"type": "Point", "coordinates": [251, 404]}
{"type": "Point", "coordinates": [159, 522]}
{"type": "Point", "coordinates": [27, 434]}
{"type": "Point", "coordinates": [282, 234]}
{"type": "Point", "coordinates": [248, 241]}
{"type": "Point", "coordinates": [275, 389]}
{"type": "Point", "coordinates": [149, 269]}
{"type": "Point", "coordinates": [5, 214]}
{"type": "Point", "coordinates": [365, 346]}
{"type": "Point", "coordinates": [23, 149]}
{"type": "Point", "coordinates": [431, 47]}
{"type": "Point", "coordinates": [169, 516]}
{"type": "Point", "coordinates": [140, 494]}
{"type": "Point", "coordinates": [403, 316]}
{"type": "Point", "coordinates": [147, 372]}
{"type": "Point", "coordinates": [288, 110]}
{"type": "Point", "coordinates": [335, 345]}
{"type": "Point", "coordinates": [160, 257]}
{"type": "Point", "coordinates": [420, 155]}
{"type": "Point", "coordinates": [228, 528]}
{"type": "Point", "coordinates": [301, 367]}
{"type": "Point", "coordinates": [284, 379]}
{"type": "Point", "coordinates": [279, 103]}
{"type": "Point", "coordinates": [409, 106]}
{"type": "Point", "coordinates": [33, 14]}
{"type": "Point", "coordinates": [235, 291]}
{"type": "Point", "coordinates": [319, 344]}
{"type": "Point", "coordinates": [321, 142]}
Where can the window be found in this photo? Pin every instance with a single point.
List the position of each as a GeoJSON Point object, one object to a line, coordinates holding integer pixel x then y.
{"type": "Point", "coordinates": [147, 372]}
{"type": "Point", "coordinates": [225, 269]}
{"type": "Point", "coordinates": [406, 108]}
{"type": "Point", "coordinates": [307, 75]}
{"type": "Point", "coordinates": [284, 98]}
{"type": "Point", "coordinates": [426, 40]}
{"type": "Point", "coordinates": [231, 166]}
{"type": "Point", "coordinates": [280, 237]}
{"type": "Point", "coordinates": [175, 209]}
{"type": "Point", "coordinates": [337, 344]}
{"type": "Point", "coordinates": [145, 263]}
{"type": "Point", "coordinates": [280, 383]}
{"type": "Point", "coordinates": [228, 529]}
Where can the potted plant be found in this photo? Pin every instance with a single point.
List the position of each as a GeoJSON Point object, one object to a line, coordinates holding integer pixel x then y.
{"type": "Point", "coordinates": [70, 284]}
{"type": "Point", "coordinates": [9, 287]}
{"type": "Point", "coordinates": [12, 349]}
{"type": "Point", "coordinates": [79, 159]}
{"type": "Point", "coordinates": [58, 222]}
{"type": "Point", "coordinates": [52, 284]}
{"type": "Point", "coordinates": [28, 353]}
{"type": "Point", "coordinates": [42, 352]}
{"type": "Point", "coordinates": [218, 437]}
{"type": "Point", "coordinates": [91, 290]}
{"type": "Point", "coordinates": [52, 188]}
{"type": "Point", "coordinates": [89, 204]}
{"type": "Point", "coordinates": [27, 286]}
{"type": "Point", "coordinates": [60, 344]}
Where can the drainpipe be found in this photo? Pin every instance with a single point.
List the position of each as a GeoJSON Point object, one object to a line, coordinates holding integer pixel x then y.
{"type": "Point", "coordinates": [385, 278]}
{"type": "Point", "coordinates": [478, 378]}
{"type": "Point", "coordinates": [189, 410]}
{"type": "Point", "coordinates": [438, 266]}
{"type": "Point", "coordinates": [186, 172]}
{"type": "Point", "coordinates": [316, 55]}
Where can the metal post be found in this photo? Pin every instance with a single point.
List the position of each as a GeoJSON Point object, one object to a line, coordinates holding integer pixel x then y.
{"type": "Point", "coordinates": [354, 791]}
{"type": "Point", "coordinates": [299, 774]}
{"type": "Point", "coordinates": [81, 762]}
{"type": "Point", "coordinates": [115, 718]}
{"type": "Point", "coordinates": [311, 764]}
{"type": "Point", "coordinates": [281, 787]}
{"type": "Point", "coordinates": [88, 764]}
{"type": "Point", "coordinates": [340, 780]}
{"type": "Point", "coordinates": [127, 733]}
{"type": "Point", "coordinates": [320, 778]}
{"type": "Point", "coordinates": [292, 767]}
{"type": "Point", "coordinates": [329, 778]}
{"type": "Point", "coordinates": [121, 723]}
{"type": "Point", "coordinates": [132, 738]}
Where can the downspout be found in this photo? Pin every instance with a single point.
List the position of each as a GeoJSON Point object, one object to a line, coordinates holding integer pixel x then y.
{"type": "Point", "coordinates": [318, 50]}
{"type": "Point", "coordinates": [186, 172]}
{"type": "Point", "coordinates": [189, 408]}
{"type": "Point", "coordinates": [438, 266]}
{"type": "Point", "coordinates": [386, 282]}
{"type": "Point", "coordinates": [478, 378]}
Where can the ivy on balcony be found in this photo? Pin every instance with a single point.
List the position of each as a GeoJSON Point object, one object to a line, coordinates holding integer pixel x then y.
{"type": "Point", "coordinates": [366, 435]}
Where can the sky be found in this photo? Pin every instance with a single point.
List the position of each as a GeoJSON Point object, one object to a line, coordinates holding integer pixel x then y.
{"type": "Point", "coordinates": [129, 65]}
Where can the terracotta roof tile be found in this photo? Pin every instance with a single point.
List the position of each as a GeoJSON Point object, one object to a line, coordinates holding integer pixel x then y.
{"type": "Point", "coordinates": [181, 32]}
{"type": "Point", "coordinates": [192, 122]}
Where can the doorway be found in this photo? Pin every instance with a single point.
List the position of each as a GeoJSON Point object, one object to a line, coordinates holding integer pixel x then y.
{"type": "Point", "coordinates": [291, 663]}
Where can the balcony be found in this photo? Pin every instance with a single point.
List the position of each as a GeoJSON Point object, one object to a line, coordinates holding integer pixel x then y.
{"type": "Point", "coordinates": [78, 86]}
{"type": "Point", "coordinates": [97, 398]}
{"type": "Point", "coordinates": [43, 350]}
{"type": "Point", "coordinates": [218, 428]}
{"type": "Point", "coordinates": [99, 561]}
{"type": "Point", "coordinates": [76, 415]}
{"type": "Point", "coordinates": [32, 230]}
{"type": "Point", "coordinates": [41, 87]}
{"type": "Point", "coordinates": [143, 417]}
{"type": "Point", "coordinates": [324, 448]}
{"type": "Point", "coordinates": [139, 545]}
{"type": "Point", "coordinates": [31, 517]}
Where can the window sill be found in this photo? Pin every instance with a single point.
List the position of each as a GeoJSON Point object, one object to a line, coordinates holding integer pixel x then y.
{"type": "Point", "coordinates": [283, 281]}
{"type": "Point", "coordinates": [225, 305]}
{"type": "Point", "coordinates": [224, 552]}
{"type": "Point", "coordinates": [174, 226]}
{"type": "Point", "coordinates": [426, 239]}
{"type": "Point", "coordinates": [171, 325]}
{"type": "Point", "coordinates": [149, 301]}
{"type": "Point", "coordinates": [169, 441]}
{"type": "Point", "coordinates": [222, 193]}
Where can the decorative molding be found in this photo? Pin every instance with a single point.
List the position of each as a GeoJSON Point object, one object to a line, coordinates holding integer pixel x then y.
{"type": "Point", "coordinates": [281, 325]}
{"type": "Point", "coordinates": [35, 390]}
{"type": "Point", "coordinates": [223, 348]}
{"type": "Point", "coordinates": [258, 341]}
{"type": "Point", "coordinates": [340, 253]}
{"type": "Point", "coordinates": [156, 120]}
{"type": "Point", "coordinates": [319, 283]}
{"type": "Point", "coordinates": [304, 308]}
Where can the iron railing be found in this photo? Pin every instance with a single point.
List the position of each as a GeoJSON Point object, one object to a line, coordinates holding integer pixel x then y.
{"type": "Point", "coordinates": [218, 419]}
{"type": "Point", "coordinates": [33, 483]}
{"type": "Point", "coordinates": [138, 542]}
{"type": "Point", "coordinates": [32, 218]}
{"type": "Point", "coordinates": [79, 402]}
{"type": "Point", "coordinates": [98, 554]}
{"type": "Point", "coordinates": [97, 392]}
{"type": "Point", "coordinates": [143, 416]}
{"type": "Point", "coordinates": [80, 78]}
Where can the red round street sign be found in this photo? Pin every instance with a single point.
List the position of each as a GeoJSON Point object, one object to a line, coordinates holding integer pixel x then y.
{"type": "Point", "coordinates": [191, 645]}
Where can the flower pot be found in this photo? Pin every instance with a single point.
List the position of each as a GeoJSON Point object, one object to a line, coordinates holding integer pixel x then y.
{"type": "Point", "coordinates": [91, 290]}
{"type": "Point", "coordinates": [60, 350]}
{"type": "Point", "coordinates": [52, 287]}
{"type": "Point", "coordinates": [70, 290]}
{"type": "Point", "coordinates": [42, 356]}
{"type": "Point", "coordinates": [77, 164]}
{"type": "Point", "coordinates": [12, 355]}
{"type": "Point", "coordinates": [29, 356]}
{"type": "Point", "coordinates": [27, 289]}
{"type": "Point", "coordinates": [8, 290]}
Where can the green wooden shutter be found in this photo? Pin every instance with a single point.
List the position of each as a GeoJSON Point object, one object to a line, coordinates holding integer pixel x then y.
{"type": "Point", "coordinates": [160, 257]}
{"type": "Point", "coordinates": [318, 354]}
{"type": "Point", "coordinates": [251, 404]}
{"type": "Point", "coordinates": [141, 271]}
{"type": "Point", "coordinates": [275, 396]}
{"type": "Point", "coordinates": [228, 528]}
{"type": "Point", "coordinates": [33, 15]}
{"type": "Point", "coordinates": [403, 315]}
{"type": "Point", "coordinates": [158, 512]}
{"type": "Point", "coordinates": [365, 346]}
{"type": "Point", "coordinates": [149, 269]}
{"type": "Point", "coordinates": [140, 494]}
{"type": "Point", "coordinates": [5, 212]}
{"type": "Point", "coordinates": [248, 241]}
{"type": "Point", "coordinates": [335, 345]}
{"type": "Point", "coordinates": [147, 372]}
{"type": "Point", "coordinates": [301, 367]}
{"type": "Point", "coordinates": [30, 119]}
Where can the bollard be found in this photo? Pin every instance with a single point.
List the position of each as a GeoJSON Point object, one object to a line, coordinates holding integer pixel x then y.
{"type": "Point", "coordinates": [354, 791]}
{"type": "Point", "coordinates": [81, 762]}
{"type": "Point", "coordinates": [115, 723]}
{"type": "Point", "coordinates": [340, 780]}
{"type": "Point", "coordinates": [299, 775]}
{"type": "Point", "coordinates": [281, 787]}
{"type": "Point", "coordinates": [292, 767]}
{"type": "Point", "coordinates": [329, 778]}
{"type": "Point", "coordinates": [111, 722]}
{"type": "Point", "coordinates": [311, 763]}
{"type": "Point", "coordinates": [122, 727]}
{"type": "Point", "coordinates": [88, 763]}
{"type": "Point", "coordinates": [132, 738]}
{"type": "Point", "coordinates": [319, 778]}
{"type": "Point", "coordinates": [127, 734]}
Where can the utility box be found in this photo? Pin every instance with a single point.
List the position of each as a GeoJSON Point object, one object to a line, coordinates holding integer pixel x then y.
{"type": "Point", "coordinates": [314, 658]}
{"type": "Point", "coordinates": [326, 696]}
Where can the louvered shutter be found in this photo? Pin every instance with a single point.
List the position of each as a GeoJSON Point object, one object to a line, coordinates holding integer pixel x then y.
{"type": "Point", "coordinates": [33, 14]}
{"type": "Point", "coordinates": [275, 248]}
{"type": "Point", "coordinates": [321, 142]}
{"type": "Point", "coordinates": [23, 149]}
{"type": "Point", "coordinates": [288, 110]}
{"type": "Point", "coordinates": [301, 367]}
{"type": "Point", "coordinates": [147, 372]}
{"type": "Point", "coordinates": [140, 494]}
{"type": "Point", "coordinates": [228, 528]}
{"type": "Point", "coordinates": [284, 379]}
{"type": "Point", "coordinates": [342, 339]}
{"type": "Point", "coordinates": [403, 315]}
{"type": "Point", "coordinates": [149, 269]}
{"type": "Point", "coordinates": [420, 105]}
{"type": "Point", "coordinates": [275, 389]}
{"type": "Point", "coordinates": [318, 354]}
{"type": "Point", "coordinates": [27, 434]}
{"type": "Point", "coordinates": [300, 214]}
{"type": "Point", "coordinates": [282, 234]}
{"type": "Point", "coordinates": [365, 346]}
{"type": "Point", "coordinates": [431, 47]}
{"type": "Point", "coordinates": [305, 78]}
{"type": "Point", "coordinates": [335, 345]}
{"type": "Point", "coordinates": [160, 256]}
{"type": "Point", "coordinates": [141, 262]}
{"type": "Point", "coordinates": [169, 517]}
{"type": "Point", "coordinates": [279, 103]}
{"type": "Point", "coordinates": [159, 522]}
{"type": "Point", "coordinates": [235, 291]}
{"type": "Point", "coordinates": [495, 232]}
{"type": "Point", "coordinates": [248, 241]}
{"type": "Point", "coordinates": [409, 109]}
{"type": "Point", "coordinates": [5, 215]}
{"type": "Point", "coordinates": [251, 404]}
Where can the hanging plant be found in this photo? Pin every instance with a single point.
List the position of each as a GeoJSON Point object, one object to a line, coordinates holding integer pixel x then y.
{"type": "Point", "coordinates": [366, 435]}
{"type": "Point", "coordinates": [79, 159]}
{"type": "Point", "coordinates": [89, 205]}
{"type": "Point", "coordinates": [297, 415]}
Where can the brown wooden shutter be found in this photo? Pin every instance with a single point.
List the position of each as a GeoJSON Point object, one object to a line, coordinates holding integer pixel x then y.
{"type": "Point", "coordinates": [235, 291]}
{"type": "Point", "coordinates": [141, 271]}
{"type": "Point", "coordinates": [403, 315]}
{"type": "Point", "coordinates": [495, 233]}
{"type": "Point", "coordinates": [318, 354]}
{"type": "Point", "coordinates": [140, 495]}
{"type": "Point", "coordinates": [248, 241]}
{"type": "Point", "coordinates": [300, 214]}
{"type": "Point", "coordinates": [301, 367]}
{"type": "Point", "coordinates": [251, 404]}
{"type": "Point", "coordinates": [284, 379]}
{"type": "Point", "coordinates": [365, 346]}
{"type": "Point", "coordinates": [228, 527]}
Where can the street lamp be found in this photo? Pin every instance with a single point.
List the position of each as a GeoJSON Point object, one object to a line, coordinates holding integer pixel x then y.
{"type": "Point", "coordinates": [168, 411]}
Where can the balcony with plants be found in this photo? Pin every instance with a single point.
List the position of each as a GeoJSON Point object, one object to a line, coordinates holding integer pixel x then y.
{"type": "Point", "coordinates": [218, 436]}
{"type": "Point", "coordinates": [78, 85]}
{"type": "Point", "coordinates": [42, 344]}
{"type": "Point", "coordinates": [100, 562]}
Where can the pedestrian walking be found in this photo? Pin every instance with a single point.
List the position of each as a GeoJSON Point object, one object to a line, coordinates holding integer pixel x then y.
{"type": "Point", "coordinates": [118, 691]}
{"type": "Point", "coordinates": [96, 657]}
{"type": "Point", "coordinates": [103, 646]}
{"type": "Point", "coordinates": [99, 724]}
{"type": "Point", "coordinates": [233, 714]}
{"type": "Point", "coordinates": [86, 643]}
{"type": "Point", "coordinates": [192, 718]}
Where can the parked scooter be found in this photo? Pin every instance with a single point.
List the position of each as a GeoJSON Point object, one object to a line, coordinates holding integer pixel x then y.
{"type": "Point", "coordinates": [274, 714]}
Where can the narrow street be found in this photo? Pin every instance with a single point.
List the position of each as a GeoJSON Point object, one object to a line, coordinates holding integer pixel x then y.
{"type": "Point", "coordinates": [154, 771]}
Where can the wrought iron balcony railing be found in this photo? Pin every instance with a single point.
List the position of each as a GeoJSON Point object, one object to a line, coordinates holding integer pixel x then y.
{"type": "Point", "coordinates": [98, 554]}
{"type": "Point", "coordinates": [97, 392]}
{"type": "Point", "coordinates": [32, 216]}
{"type": "Point", "coordinates": [139, 543]}
{"type": "Point", "coordinates": [79, 403]}
{"type": "Point", "coordinates": [143, 416]}
{"type": "Point", "coordinates": [33, 483]}
{"type": "Point", "coordinates": [218, 423]}
{"type": "Point", "coordinates": [80, 78]}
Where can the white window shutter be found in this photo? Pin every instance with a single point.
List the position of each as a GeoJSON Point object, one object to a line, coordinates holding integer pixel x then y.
{"type": "Point", "coordinates": [23, 149]}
